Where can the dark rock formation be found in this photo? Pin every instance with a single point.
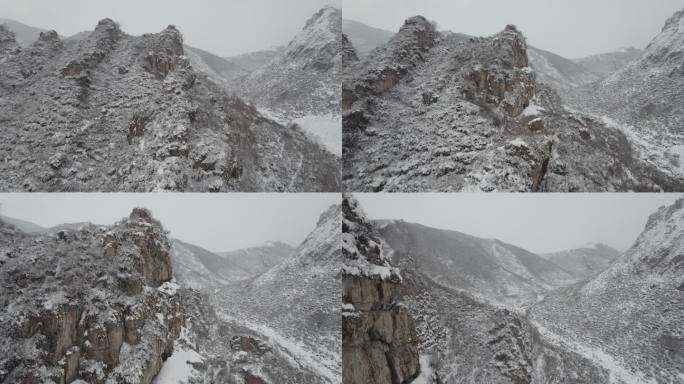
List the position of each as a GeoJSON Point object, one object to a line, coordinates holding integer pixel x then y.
{"type": "Point", "coordinates": [348, 51]}
{"type": "Point", "coordinates": [379, 343]}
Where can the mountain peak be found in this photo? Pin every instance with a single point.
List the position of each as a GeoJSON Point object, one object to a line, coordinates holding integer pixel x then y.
{"type": "Point", "coordinates": [517, 42]}
{"type": "Point", "coordinates": [328, 13]}
{"type": "Point", "coordinates": [674, 20]}
{"type": "Point", "coordinates": [318, 40]}
{"type": "Point", "coordinates": [665, 50]}
{"type": "Point", "coordinates": [419, 30]}
{"type": "Point", "coordinates": [331, 213]}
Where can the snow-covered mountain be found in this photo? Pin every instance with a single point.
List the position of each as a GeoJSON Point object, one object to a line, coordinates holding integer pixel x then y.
{"type": "Point", "coordinates": [363, 37]}
{"type": "Point", "coordinates": [296, 303]}
{"type": "Point", "coordinates": [252, 61]}
{"type": "Point", "coordinates": [434, 111]}
{"type": "Point", "coordinates": [108, 111]}
{"type": "Point", "coordinates": [25, 34]}
{"type": "Point", "coordinates": [22, 225]}
{"type": "Point", "coordinates": [605, 64]}
{"type": "Point", "coordinates": [199, 268]}
{"type": "Point", "coordinates": [218, 69]}
{"type": "Point", "coordinates": [643, 99]}
{"type": "Point", "coordinates": [557, 71]}
{"type": "Point", "coordinates": [301, 83]}
{"type": "Point", "coordinates": [629, 317]}
{"type": "Point", "coordinates": [83, 303]}
{"type": "Point", "coordinates": [303, 79]}
{"type": "Point", "coordinates": [490, 269]}
{"type": "Point", "coordinates": [464, 340]}
{"type": "Point", "coordinates": [461, 336]}
{"type": "Point", "coordinates": [584, 262]}
{"type": "Point", "coordinates": [259, 259]}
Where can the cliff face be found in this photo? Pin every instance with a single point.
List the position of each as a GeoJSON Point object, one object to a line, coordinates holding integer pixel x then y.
{"type": "Point", "coordinates": [108, 111]}
{"type": "Point", "coordinates": [379, 342]}
{"type": "Point", "coordinates": [93, 303]}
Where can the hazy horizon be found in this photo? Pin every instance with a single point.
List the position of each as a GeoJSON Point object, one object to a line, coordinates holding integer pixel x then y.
{"type": "Point", "coordinates": [571, 29]}
{"type": "Point", "coordinates": [540, 223]}
{"type": "Point", "coordinates": [220, 27]}
{"type": "Point", "coordinates": [216, 222]}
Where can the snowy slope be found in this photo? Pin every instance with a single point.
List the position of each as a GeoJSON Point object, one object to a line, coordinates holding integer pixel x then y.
{"type": "Point", "coordinates": [584, 262]}
{"type": "Point", "coordinates": [296, 303]}
{"type": "Point", "coordinates": [24, 226]}
{"type": "Point", "coordinates": [629, 317]}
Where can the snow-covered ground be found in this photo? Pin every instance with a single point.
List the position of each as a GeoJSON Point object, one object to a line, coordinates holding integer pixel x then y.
{"type": "Point", "coordinates": [619, 374]}
{"type": "Point", "coordinates": [323, 129]}
{"type": "Point", "coordinates": [176, 369]}
{"type": "Point", "coordinates": [426, 374]}
{"type": "Point", "coordinates": [326, 366]}
{"type": "Point", "coordinates": [678, 150]}
{"type": "Point", "coordinates": [326, 130]}
{"type": "Point", "coordinates": [649, 147]}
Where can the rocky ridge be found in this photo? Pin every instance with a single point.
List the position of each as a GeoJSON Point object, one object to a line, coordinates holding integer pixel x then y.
{"type": "Point", "coordinates": [112, 112]}
{"type": "Point", "coordinates": [483, 123]}
{"type": "Point", "coordinates": [379, 343]}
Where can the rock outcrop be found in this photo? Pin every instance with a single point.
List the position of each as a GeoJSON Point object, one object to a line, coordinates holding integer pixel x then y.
{"type": "Point", "coordinates": [93, 303]}
{"type": "Point", "coordinates": [379, 342]}
{"type": "Point", "coordinates": [107, 111]}
{"type": "Point", "coordinates": [8, 42]}
{"type": "Point", "coordinates": [348, 51]}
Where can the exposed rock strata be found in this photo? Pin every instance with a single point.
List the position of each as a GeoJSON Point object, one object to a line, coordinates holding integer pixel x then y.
{"type": "Point", "coordinates": [379, 342]}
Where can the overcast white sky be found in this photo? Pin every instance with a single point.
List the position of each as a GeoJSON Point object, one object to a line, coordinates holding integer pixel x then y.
{"type": "Point", "coordinates": [575, 28]}
{"type": "Point", "coordinates": [537, 222]}
{"type": "Point", "coordinates": [217, 222]}
{"type": "Point", "coordinates": [223, 27]}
